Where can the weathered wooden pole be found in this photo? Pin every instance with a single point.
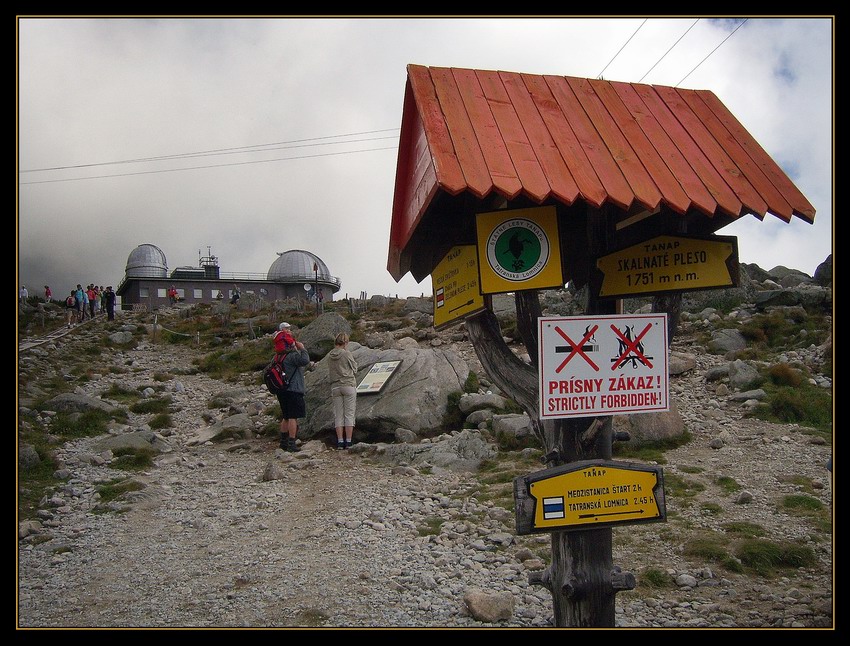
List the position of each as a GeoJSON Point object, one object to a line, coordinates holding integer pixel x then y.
{"type": "Point", "coordinates": [581, 577]}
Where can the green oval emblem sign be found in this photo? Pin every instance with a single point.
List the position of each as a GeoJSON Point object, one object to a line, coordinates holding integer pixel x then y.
{"type": "Point", "coordinates": [517, 249]}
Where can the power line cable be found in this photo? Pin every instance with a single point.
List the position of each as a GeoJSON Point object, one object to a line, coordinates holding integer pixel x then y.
{"type": "Point", "coordinates": [173, 170]}
{"type": "Point", "coordinates": [669, 50]}
{"type": "Point", "coordinates": [711, 52]}
{"type": "Point", "coordinates": [232, 150]}
{"type": "Point", "coordinates": [599, 76]}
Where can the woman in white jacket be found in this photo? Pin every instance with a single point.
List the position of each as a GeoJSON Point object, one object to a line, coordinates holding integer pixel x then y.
{"type": "Point", "coordinates": [342, 370]}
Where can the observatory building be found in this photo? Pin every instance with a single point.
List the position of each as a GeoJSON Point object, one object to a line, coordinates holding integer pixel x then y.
{"type": "Point", "coordinates": [295, 274]}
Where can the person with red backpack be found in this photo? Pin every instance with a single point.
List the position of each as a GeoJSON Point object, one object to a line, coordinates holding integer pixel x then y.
{"type": "Point", "coordinates": [71, 308]}
{"type": "Point", "coordinates": [291, 400]}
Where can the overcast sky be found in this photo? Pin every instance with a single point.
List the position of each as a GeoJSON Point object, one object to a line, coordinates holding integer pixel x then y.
{"type": "Point", "coordinates": [252, 136]}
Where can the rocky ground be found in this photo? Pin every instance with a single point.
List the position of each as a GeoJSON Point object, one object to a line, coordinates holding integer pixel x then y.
{"type": "Point", "coordinates": [337, 539]}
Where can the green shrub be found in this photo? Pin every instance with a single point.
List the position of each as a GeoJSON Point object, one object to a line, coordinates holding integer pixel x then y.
{"type": "Point", "coordinates": [130, 459]}
{"type": "Point", "coordinates": [471, 385]}
{"type": "Point", "coordinates": [158, 405]}
{"type": "Point", "coordinates": [764, 557]}
{"type": "Point", "coordinates": [654, 578]}
{"type": "Point", "coordinates": [161, 420]}
{"type": "Point", "coordinates": [782, 374]}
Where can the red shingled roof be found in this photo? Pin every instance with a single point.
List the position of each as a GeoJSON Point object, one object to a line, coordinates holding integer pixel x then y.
{"type": "Point", "coordinates": [564, 138]}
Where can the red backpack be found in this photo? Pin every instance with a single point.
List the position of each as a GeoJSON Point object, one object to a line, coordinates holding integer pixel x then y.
{"type": "Point", "coordinates": [274, 375]}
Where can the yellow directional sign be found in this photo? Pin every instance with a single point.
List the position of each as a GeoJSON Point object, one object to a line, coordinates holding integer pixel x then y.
{"type": "Point", "coordinates": [670, 263]}
{"type": "Point", "coordinates": [593, 493]}
{"type": "Point", "coordinates": [456, 286]}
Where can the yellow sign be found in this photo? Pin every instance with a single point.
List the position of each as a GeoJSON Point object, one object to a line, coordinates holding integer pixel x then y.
{"type": "Point", "coordinates": [670, 263]}
{"type": "Point", "coordinates": [519, 249]}
{"type": "Point", "coordinates": [456, 287]}
{"type": "Point", "coordinates": [591, 493]}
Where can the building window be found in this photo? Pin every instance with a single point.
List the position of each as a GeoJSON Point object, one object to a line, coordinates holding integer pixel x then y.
{"type": "Point", "coordinates": [216, 293]}
{"type": "Point", "coordinates": [144, 292]}
{"type": "Point", "coordinates": [181, 294]}
{"type": "Point", "coordinates": [197, 294]}
{"type": "Point", "coordinates": [160, 292]}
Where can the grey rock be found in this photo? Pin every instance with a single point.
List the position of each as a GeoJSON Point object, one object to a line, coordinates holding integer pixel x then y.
{"type": "Point", "coordinates": [726, 340]}
{"type": "Point", "coordinates": [415, 397]}
{"type": "Point", "coordinates": [743, 374]}
{"type": "Point", "coordinates": [76, 403]}
{"type": "Point", "coordinates": [27, 456]}
{"type": "Point", "coordinates": [647, 428]}
{"type": "Point", "coordinates": [489, 607]}
{"type": "Point", "coordinates": [472, 402]}
{"type": "Point", "coordinates": [134, 440]}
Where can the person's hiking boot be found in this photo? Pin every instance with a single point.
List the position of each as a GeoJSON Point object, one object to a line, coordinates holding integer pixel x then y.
{"type": "Point", "coordinates": [347, 444]}
{"type": "Point", "coordinates": [284, 441]}
{"type": "Point", "coordinates": [292, 447]}
{"type": "Point", "coordinates": [340, 445]}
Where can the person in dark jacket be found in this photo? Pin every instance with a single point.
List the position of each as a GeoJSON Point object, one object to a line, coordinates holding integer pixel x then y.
{"type": "Point", "coordinates": [292, 406]}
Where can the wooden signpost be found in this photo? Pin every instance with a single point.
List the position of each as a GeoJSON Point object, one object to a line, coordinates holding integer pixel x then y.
{"type": "Point", "coordinates": [589, 494]}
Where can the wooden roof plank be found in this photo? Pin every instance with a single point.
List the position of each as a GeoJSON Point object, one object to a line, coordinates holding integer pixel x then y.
{"type": "Point", "coordinates": [699, 196]}
{"type": "Point", "coordinates": [622, 152]}
{"type": "Point", "coordinates": [448, 171]}
{"type": "Point", "coordinates": [513, 128]}
{"type": "Point", "coordinates": [493, 147]}
{"type": "Point", "coordinates": [800, 206]}
{"type": "Point", "coordinates": [558, 177]}
{"type": "Point", "coordinates": [671, 191]}
{"type": "Point", "coordinates": [727, 168]}
{"type": "Point", "coordinates": [725, 197]}
{"type": "Point", "coordinates": [463, 136]}
{"type": "Point", "coordinates": [606, 169]}
{"type": "Point", "coordinates": [776, 204]}
{"type": "Point", "coordinates": [565, 141]}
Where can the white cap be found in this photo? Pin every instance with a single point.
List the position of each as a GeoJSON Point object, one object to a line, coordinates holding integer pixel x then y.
{"type": "Point", "coordinates": [283, 326]}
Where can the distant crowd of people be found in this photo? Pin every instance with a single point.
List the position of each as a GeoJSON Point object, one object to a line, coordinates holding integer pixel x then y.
{"type": "Point", "coordinates": [90, 302]}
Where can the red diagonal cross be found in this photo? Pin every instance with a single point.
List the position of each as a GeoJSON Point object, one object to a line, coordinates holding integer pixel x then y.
{"type": "Point", "coordinates": [577, 348]}
{"type": "Point", "coordinates": [631, 345]}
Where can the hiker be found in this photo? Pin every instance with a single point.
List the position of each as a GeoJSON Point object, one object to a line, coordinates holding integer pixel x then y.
{"type": "Point", "coordinates": [342, 370]}
{"type": "Point", "coordinates": [291, 400]}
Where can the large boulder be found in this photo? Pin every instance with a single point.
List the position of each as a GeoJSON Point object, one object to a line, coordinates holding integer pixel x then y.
{"type": "Point", "coordinates": [414, 398]}
{"type": "Point", "coordinates": [318, 337]}
{"type": "Point", "coordinates": [77, 403]}
{"type": "Point", "coordinates": [648, 428]}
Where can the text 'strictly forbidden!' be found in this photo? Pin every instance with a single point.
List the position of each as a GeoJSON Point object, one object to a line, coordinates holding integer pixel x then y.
{"type": "Point", "coordinates": [602, 365]}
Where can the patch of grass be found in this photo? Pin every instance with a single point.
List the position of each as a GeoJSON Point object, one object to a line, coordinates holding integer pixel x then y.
{"type": "Point", "coordinates": [782, 374]}
{"type": "Point", "coordinates": [431, 526]}
{"type": "Point", "coordinates": [654, 578]}
{"type": "Point", "coordinates": [86, 424]}
{"type": "Point", "coordinates": [162, 376]}
{"type": "Point", "coordinates": [233, 362]}
{"type": "Point", "coordinates": [729, 485]}
{"type": "Point", "coordinates": [311, 617]}
{"type": "Point", "coordinates": [688, 469]}
{"type": "Point", "coordinates": [129, 459]}
{"type": "Point", "coordinates": [676, 486]}
{"type": "Point", "coordinates": [711, 508]}
{"type": "Point", "coordinates": [471, 385]}
{"type": "Point", "coordinates": [651, 451]}
{"type": "Point", "coordinates": [713, 549]}
{"type": "Point", "coordinates": [153, 405]}
{"type": "Point", "coordinates": [36, 481]}
{"type": "Point", "coordinates": [745, 529]}
{"type": "Point", "coordinates": [802, 504]}
{"type": "Point", "coordinates": [161, 420]}
{"type": "Point", "coordinates": [114, 489]}
{"type": "Point", "coordinates": [805, 404]}
{"type": "Point", "coordinates": [120, 393]}
{"type": "Point", "coordinates": [766, 557]}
